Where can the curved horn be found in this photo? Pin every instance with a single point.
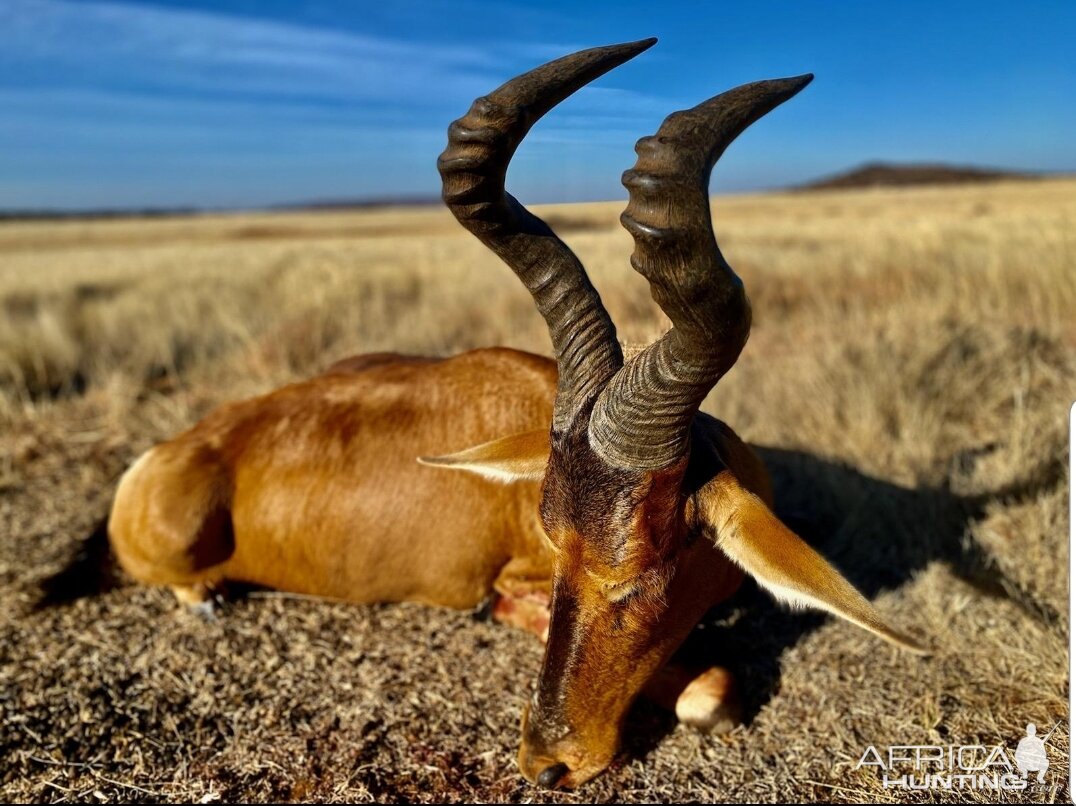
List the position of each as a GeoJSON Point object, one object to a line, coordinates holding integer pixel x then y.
{"type": "Point", "coordinates": [642, 419]}
{"type": "Point", "coordinates": [473, 167]}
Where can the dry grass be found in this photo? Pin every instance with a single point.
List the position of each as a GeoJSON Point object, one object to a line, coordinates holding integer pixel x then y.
{"type": "Point", "coordinates": [910, 371]}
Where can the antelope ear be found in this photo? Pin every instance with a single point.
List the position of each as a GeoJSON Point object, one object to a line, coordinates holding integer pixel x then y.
{"type": "Point", "coordinates": [520, 457]}
{"type": "Point", "coordinates": [744, 528]}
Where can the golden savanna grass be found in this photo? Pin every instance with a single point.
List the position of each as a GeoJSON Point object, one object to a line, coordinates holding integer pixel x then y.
{"type": "Point", "coordinates": [908, 376]}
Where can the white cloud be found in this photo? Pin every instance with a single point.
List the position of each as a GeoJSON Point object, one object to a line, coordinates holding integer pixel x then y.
{"type": "Point", "coordinates": [97, 96]}
{"type": "Point", "coordinates": [209, 53]}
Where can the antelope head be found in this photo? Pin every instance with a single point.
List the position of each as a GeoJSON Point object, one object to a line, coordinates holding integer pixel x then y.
{"type": "Point", "coordinates": [650, 508]}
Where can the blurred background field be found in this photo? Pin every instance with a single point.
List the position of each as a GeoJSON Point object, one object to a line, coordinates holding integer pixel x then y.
{"type": "Point", "coordinates": [910, 370]}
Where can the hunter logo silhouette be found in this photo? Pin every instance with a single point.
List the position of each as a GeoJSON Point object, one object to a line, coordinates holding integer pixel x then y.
{"type": "Point", "coordinates": [1031, 754]}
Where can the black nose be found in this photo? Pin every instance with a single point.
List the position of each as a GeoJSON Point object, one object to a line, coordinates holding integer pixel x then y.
{"type": "Point", "coordinates": [550, 776]}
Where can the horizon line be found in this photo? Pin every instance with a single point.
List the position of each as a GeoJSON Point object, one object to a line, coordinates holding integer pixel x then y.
{"type": "Point", "coordinates": [971, 175]}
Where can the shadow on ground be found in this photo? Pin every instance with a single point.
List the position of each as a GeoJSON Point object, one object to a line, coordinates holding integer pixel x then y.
{"type": "Point", "coordinates": [879, 534]}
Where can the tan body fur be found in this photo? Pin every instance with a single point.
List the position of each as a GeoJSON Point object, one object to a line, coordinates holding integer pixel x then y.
{"type": "Point", "coordinates": [316, 488]}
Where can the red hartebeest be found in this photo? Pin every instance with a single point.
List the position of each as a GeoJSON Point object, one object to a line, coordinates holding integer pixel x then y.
{"type": "Point", "coordinates": [591, 484]}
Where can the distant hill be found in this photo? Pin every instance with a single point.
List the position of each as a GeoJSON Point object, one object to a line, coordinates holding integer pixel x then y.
{"type": "Point", "coordinates": [886, 174]}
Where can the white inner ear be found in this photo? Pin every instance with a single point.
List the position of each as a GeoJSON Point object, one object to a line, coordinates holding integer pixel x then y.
{"type": "Point", "coordinates": [834, 595]}
{"type": "Point", "coordinates": [748, 532]}
{"type": "Point", "coordinates": [505, 471]}
{"type": "Point", "coordinates": [518, 457]}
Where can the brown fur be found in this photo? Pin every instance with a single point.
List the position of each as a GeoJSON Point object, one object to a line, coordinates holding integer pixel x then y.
{"type": "Point", "coordinates": [315, 488]}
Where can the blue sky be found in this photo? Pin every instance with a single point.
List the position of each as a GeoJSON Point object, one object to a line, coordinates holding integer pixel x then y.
{"type": "Point", "coordinates": [252, 102]}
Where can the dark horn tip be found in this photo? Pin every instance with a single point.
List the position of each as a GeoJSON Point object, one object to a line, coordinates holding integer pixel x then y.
{"type": "Point", "coordinates": [627, 50]}
{"type": "Point", "coordinates": [797, 83]}
{"type": "Point", "coordinates": [783, 88]}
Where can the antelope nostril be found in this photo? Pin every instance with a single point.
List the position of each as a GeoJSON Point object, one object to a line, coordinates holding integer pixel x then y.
{"type": "Point", "coordinates": [550, 776]}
